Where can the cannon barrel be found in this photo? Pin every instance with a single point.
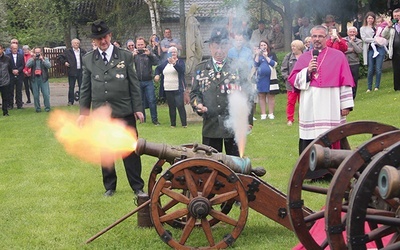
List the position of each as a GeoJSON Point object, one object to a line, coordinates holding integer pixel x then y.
{"type": "Point", "coordinates": [324, 158]}
{"type": "Point", "coordinates": [389, 182]}
{"type": "Point", "coordinates": [175, 153]}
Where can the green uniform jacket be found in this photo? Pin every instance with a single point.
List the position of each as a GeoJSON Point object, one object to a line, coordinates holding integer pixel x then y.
{"type": "Point", "coordinates": [115, 84]}
{"type": "Point", "coordinates": [211, 88]}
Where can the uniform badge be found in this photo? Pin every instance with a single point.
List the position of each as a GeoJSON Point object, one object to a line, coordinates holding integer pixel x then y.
{"type": "Point", "coordinates": [97, 77]}
{"type": "Point", "coordinates": [121, 65]}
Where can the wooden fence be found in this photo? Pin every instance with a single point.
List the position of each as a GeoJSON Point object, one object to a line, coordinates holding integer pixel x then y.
{"type": "Point", "coordinates": [57, 69]}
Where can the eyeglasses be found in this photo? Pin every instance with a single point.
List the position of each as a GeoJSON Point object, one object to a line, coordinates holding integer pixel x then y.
{"type": "Point", "coordinates": [15, 42]}
{"type": "Point", "coordinates": [318, 36]}
{"type": "Point", "coordinates": [131, 45]}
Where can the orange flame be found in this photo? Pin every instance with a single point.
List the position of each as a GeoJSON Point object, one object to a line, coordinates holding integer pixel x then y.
{"type": "Point", "coordinates": [101, 140]}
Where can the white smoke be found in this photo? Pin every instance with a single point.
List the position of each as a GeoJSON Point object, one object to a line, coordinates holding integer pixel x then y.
{"type": "Point", "coordinates": [238, 120]}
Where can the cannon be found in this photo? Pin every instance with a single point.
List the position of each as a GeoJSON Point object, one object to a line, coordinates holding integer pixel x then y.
{"type": "Point", "coordinates": [174, 154]}
{"type": "Point", "coordinates": [345, 168]}
{"type": "Point", "coordinates": [200, 186]}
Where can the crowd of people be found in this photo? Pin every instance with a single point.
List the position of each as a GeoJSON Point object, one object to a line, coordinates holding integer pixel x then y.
{"type": "Point", "coordinates": [321, 66]}
{"type": "Point", "coordinates": [26, 68]}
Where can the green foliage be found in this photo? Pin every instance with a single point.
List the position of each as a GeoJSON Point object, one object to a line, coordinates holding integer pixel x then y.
{"type": "Point", "coordinates": [34, 22]}
{"type": "Point", "coordinates": [4, 36]}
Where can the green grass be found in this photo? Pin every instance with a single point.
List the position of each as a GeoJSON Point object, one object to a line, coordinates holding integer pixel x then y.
{"type": "Point", "coordinates": [51, 200]}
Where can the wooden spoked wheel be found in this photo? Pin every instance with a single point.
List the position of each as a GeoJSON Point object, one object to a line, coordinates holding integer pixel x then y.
{"type": "Point", "coordinates": [297, 189]}
{"type": "Point", "coordinates": [155, 174]}
{"type": "Point", "coordinates": [344, 178]}
{"type": "Point", "coordinates": [367, 207]}
{"type": "Point", "coordinates": [209, 183]}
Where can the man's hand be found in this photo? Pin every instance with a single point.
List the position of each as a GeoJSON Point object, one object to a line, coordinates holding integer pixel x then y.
{"type": "Point", "coordinates": [312, 66]}
{"type": "Point", "coordinates": [201, 109]}
{"type": "Point", "coordinates": [67, 64]}
{"type": "Point", "coordinates": [345, 112]}
{"type": "Point", "coordinates": [139, 116]}
{"type": "Point", "coordinates": [81, 120]}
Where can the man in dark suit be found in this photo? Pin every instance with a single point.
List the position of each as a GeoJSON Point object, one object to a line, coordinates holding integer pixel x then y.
{"type": "Point", "coordinates": [5, 72]}
{"type": "Point", "coordinates": [17, 77]}
{"type": "Point", "coordinates": [109, 78]}
{"type": "Point", "coordinates": [72, 59]}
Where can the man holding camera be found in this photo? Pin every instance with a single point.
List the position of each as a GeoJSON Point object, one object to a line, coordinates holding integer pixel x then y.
{"type": "Point", "coordinates": [40, 79]}
{"type": "Point", "coordinates": [144, 60]}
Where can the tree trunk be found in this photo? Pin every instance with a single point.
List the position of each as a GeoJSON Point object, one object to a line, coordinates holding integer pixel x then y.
{"type": "Point", "coordinates": [152, 16]}
{"type": "Point", "coordinates": [287, 18]}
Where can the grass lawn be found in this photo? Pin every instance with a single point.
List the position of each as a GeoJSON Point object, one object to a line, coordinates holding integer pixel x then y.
{"type": "Point", "coordinates": [51, 200]}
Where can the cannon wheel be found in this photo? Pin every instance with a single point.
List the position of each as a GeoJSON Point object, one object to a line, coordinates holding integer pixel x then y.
{"type": "Point", "coordinates": [383, 220]}
{"type": "Point", "coordinates": [300, 222]}
{"type": "Point", "coordinates": [155, 173]}
{"type": "Point", "coordinates": [202, 178]}
{"type": "Point", "coordinates": [347, 173]}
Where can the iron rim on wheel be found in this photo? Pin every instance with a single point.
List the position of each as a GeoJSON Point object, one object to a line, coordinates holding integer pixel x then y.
{"type": "Point", "coordinates": [209, 183]}
{"type": "Point", "coordinates": [300, 222]}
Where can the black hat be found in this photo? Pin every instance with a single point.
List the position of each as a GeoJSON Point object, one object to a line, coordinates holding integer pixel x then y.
{"type": "Point", "coordinates": [99, 29]}
{"type": "Point", "coordinates": [218, 35]}
{"type": "Point", "coordinates": [261, 22]}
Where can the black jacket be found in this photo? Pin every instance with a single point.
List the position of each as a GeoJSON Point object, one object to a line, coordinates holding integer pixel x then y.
{"type": "Point", "coordinates": [69, 56]}
{"type": "Point", "coordinates": [5, 70]}
{"type": "Point", "coordinates": [144, 66]}
{"type": "Point", "coordinates": [20, 65]}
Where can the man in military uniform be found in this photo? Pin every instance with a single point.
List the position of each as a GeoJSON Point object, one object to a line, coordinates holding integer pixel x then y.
{"type": "Point", "coordinates": [109, 78]}
{"type": "Point", "coordinates": [214, 80]}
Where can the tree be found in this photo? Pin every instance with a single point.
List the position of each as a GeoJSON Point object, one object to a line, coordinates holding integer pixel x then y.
{"type": "Point", "coordinates": [4, 36]}
{"type": "Point", "coordinates": [34, 22]}
{"type": "Point", "coordinates": [285, 12]}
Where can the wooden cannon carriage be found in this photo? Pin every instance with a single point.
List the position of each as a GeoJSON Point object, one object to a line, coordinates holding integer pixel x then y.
{"type": "Point", "coordinates": [200, 188]}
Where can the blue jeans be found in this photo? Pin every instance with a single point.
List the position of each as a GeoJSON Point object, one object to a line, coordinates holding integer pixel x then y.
{"type": "Point", "coordinates": [37, 86]}
{"type": "Point", "coordinates": [149, 99]}
{"type": "Point", "coordinates": [377, 64]}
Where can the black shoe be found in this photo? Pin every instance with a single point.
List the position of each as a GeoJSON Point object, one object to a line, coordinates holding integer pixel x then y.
{"type": "Point", "coordinates": [140, 193]}
{"type": "Point", "coordinates": [29, 101]}
{"type": "Point", "coordinates": [109, 193]}
{"type": "Point", "coordinates": [70, 104]}
{"type": "Point", "coordinates": [156, 123]}
{"type": "Point", "coordinates": [6, 114]}
{"type": "Point", "coordinates": [20, 107]}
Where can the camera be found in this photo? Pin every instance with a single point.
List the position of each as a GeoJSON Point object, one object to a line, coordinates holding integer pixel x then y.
{"type": "Point", "coordinates": [37, 55]}
{"type": "Point", "coordinates": [140, 51]}
{"type": "Point", "coordinates": [394, 21]}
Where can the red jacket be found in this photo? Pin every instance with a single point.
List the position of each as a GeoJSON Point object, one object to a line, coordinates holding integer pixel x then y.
{"type": "Point", "coordinates": [26, 70]}
{"type": "Point", "coordinates": [339, 44]}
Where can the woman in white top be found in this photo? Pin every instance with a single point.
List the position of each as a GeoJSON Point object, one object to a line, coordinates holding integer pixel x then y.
{"type": "Point", "coordinates": [367, 33]}
{"type": "Point", "coordinates": [172, 75]}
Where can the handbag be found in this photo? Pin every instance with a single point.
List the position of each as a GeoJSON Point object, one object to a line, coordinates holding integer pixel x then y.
{"type": "Point", "coordinates": [38, 72]}
{"type": "Point", "coordinates": [274, 86]}
{"type": "Point", "coordinates": [273, 82]}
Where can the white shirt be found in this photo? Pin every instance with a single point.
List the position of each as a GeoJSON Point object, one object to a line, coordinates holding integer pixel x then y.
{"type": "Point", "coordinates": [171, 79]}
{"type": "Point", "coordinates": [15, 58]}
{"type": "Point", "coordinates": [78, 58]}
{"type": "Point", "coordinates": [108, 51]}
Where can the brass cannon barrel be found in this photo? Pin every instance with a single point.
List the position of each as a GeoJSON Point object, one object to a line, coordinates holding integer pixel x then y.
{"type": "Point", "coordinates": [389, 182]}
{"type": "Point", "coordinates": [174, 153]}
{"type": "Point", "coordinates": [324, 158]}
